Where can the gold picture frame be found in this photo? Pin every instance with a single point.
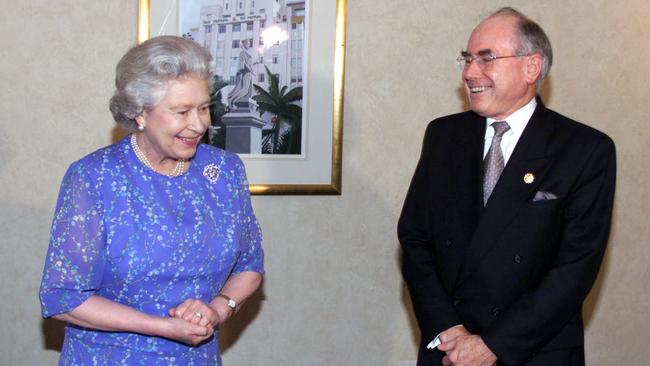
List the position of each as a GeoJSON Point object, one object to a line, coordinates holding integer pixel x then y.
{"type": "Point", "coordinates": [331, 185]}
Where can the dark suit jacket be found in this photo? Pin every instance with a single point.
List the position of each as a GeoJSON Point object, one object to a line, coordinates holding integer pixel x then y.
{"type": "Point", "coordinates": [517, 270]}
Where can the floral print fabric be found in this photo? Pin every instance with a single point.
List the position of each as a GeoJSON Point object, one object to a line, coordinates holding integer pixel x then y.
{"type": "Point", "coordinates": [148, 241]}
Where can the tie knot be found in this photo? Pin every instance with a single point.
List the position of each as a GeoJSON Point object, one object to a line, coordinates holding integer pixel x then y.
{"type": "Point", "coordinates": [500, 127]}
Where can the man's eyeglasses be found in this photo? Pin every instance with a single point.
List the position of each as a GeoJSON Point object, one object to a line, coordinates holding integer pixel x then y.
{"type": "Point", "coordinates": [482, 59]}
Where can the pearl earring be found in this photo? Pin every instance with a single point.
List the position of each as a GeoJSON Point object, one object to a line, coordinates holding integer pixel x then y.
{"type": "Point", "coordinates": [141, 127]}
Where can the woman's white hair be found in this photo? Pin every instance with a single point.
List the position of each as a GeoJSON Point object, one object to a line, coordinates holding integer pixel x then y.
{"type": "Point", "coordinates": [143, 73]}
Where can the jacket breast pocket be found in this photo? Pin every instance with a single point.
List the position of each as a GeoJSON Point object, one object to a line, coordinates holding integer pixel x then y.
{"type": "Point", "coordinates": [539, 221]}
{"type": "Point", "coordinates": [540, 208]}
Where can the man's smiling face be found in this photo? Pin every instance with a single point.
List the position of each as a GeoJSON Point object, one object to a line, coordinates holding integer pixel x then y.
{"type": "Point", "coordinates": [498, 88]}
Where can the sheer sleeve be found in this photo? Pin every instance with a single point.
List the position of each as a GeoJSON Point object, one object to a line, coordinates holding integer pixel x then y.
{"type": "Point", "coordinates": [75, 259]}
{"type": "Point", "coordinates": [251, 258]}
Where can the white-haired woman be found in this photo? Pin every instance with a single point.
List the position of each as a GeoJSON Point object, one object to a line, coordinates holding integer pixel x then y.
{"type": "Point", "coordinates": [154, 242]}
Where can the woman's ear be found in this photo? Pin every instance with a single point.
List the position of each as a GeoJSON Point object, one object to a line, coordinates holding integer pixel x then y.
{"type": "Point", "coordinates": [140, 121]}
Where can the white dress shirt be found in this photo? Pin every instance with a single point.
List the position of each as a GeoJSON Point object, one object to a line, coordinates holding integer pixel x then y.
{"type": "Point", "coordinates": [517, 122]}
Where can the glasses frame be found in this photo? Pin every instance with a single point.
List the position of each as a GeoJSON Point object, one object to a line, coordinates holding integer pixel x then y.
{"type": "Point", "coordinates": [482, 59]}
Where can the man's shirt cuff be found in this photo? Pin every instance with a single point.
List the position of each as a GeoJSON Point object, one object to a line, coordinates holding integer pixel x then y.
{"type": "Point", "coordinates": [436, 341]}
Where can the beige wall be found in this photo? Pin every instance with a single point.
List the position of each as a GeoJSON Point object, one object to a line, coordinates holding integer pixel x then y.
{"type": "Point", "coordinates": [333, 293]}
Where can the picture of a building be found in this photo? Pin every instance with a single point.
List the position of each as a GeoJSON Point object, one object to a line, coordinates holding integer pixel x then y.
{"type": "Point", "coordinates": [268, 35]}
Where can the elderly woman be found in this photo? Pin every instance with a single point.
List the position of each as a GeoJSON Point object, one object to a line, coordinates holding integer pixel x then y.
{"type": "Point", "coordinates": [154, 242]}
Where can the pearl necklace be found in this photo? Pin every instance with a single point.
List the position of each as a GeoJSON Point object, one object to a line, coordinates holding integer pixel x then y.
{"type": "Point", "coordinates": [178, 170]}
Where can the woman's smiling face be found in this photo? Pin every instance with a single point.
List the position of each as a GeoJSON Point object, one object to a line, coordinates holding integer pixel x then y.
{"type": "Point", "coordinates": [175, 126]}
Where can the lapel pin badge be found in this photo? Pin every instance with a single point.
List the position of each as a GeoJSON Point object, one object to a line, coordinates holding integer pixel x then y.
{"type": "Point", "coordinates": [529, 178]}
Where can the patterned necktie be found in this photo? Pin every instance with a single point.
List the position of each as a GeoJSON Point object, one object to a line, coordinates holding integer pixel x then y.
{"type": "Point", "coordinates": [494, 160]}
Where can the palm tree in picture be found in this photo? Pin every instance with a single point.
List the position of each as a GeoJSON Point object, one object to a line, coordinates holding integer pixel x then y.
{"type": "Point", "coordinates": [286, 132]}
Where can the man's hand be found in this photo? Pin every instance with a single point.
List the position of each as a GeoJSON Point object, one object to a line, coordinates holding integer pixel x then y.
{"type": "Point", "coordinates": [449, 335]}
{"type": "Point", "coordinates": [467, 350]}
{"type": "Point", "coordinates": [452, 333]}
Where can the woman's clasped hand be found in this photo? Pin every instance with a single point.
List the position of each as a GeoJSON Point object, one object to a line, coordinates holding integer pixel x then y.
{"type": "Point", "coordinates": [199, 320]}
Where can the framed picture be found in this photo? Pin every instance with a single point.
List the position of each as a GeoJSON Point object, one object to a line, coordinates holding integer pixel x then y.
{"type": "Point", "coordinates": [278, 94]}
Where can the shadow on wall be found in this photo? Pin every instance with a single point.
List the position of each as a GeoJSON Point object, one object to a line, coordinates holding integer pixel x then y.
{"type": "Point", "coordinates": [233, 329]}
{"type": "Point", "coordinates": [118, 133]}
{"type": "Point", "coordinates": [53, 332]}
{"type": "Point", "coordinates": [406, 301]}
{"type": "Point", "coordinates": [545, 93]}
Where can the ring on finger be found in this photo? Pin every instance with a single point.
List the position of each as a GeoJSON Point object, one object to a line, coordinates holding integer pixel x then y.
{"type": "Point", "coordinates": [198, 315]}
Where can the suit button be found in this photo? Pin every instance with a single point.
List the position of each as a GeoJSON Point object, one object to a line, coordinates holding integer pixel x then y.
{"type": "Point", "coordinates": [456, 302]}
{"type": "Point", "coordinates": [517, 259]}
{"type": "Point", "coordinates": [448, 243]}
{"type": "Point", "coordinates": [496, 312]}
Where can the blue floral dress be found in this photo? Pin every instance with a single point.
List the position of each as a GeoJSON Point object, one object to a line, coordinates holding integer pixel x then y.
{"type": "Point", "coordinates": [126, 233]}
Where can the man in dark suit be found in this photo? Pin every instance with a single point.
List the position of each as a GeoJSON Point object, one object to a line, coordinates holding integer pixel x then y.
{"type": "Point", "coordinates": [507, 217]}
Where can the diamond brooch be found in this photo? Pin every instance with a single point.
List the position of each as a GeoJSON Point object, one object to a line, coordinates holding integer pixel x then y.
{"type": "Point", "coordinates": [211, 172]}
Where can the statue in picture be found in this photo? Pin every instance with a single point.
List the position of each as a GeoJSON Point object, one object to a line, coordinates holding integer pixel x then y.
{"type": "Point", "coordinates": [243, 90]}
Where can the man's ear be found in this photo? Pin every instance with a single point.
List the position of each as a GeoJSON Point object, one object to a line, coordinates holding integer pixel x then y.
{"type": "Point", "coordinates": [534, 68]}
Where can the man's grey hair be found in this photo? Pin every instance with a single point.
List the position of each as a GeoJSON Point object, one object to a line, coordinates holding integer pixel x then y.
{"type": "Point", "coordinates": [145, 71]}
{"type": "Point", "coordinates": [532, 39]}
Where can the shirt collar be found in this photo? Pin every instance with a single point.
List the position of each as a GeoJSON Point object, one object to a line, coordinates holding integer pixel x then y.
{"type": "Point", "coordinates": [518, 120]}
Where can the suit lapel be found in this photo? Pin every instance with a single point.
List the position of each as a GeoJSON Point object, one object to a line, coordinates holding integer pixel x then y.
{"type": "Point", "coordinates": [467, 172]}
{"type": "Point", "coordinates": [511, 191]}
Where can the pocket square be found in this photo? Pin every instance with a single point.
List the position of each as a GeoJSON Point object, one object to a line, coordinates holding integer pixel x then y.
{"type": "Point", "coordinates": [544, 196]}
